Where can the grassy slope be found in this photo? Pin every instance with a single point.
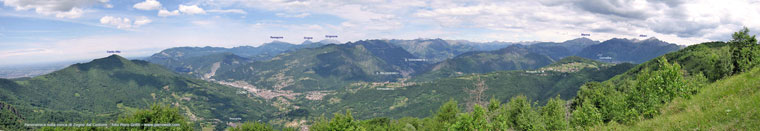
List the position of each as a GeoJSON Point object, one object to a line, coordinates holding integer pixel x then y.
{"type": "Point", "coordinates": [728, 104]}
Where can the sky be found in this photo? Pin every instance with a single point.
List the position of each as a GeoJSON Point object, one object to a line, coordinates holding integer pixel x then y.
{"type": "Point", "coordinates": [39, 31]}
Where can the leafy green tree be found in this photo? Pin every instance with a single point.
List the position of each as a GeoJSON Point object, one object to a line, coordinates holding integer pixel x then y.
{"type": "Point", "coordinates": [377, 124]}
{"type": "Point", "coordinates": [585, 116]}
{"type": "Point", "coordinates": [610, 102]}
{"type": "Point", "coordinates": [656, 88]}
{"type": "Point", "coordinates": [321, 123]}
{"type": "Point", "coordinates": [252, 126]}
{"type": "Point", "coordinates": [339, 122]}
{"type": "Point", "coordinates": [744, 51]}
{"type": "Point", "coordinates": [463, 123]}
{"type": "Point", "coordinates": [553, 114]}
{"type": "Point", "coordinates": [479, 118]}
{"type": "Point", "coordinates": [493, 105]}
{"type": "Point", "coordinates": [496, 116]}
{"type": "Point", "coordinates": [474, 121]}
{"type": "Point", "coordinates": [447, 114]}
{"type": "Point", "coordinates": [521, 115]}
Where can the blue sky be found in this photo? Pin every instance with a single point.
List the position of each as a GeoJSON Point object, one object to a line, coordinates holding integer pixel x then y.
{"type": "Point", "coordinates": [33, 31]}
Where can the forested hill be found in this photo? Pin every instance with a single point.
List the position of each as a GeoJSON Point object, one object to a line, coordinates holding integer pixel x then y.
{"type": "Point", "coordinates": [103, 89]}
{"type": "Point", "coordinates": [327, 67]}
{"type": "Point", "coordinates": [509, 58]}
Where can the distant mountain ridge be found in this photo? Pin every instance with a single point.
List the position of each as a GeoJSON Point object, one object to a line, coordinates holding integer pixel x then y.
{"type": "Point", "coordinates": [370, 60]}
{"type": "Point", "coordinates": [262, 52]}
{"type": "Point", "coordinates": [203, 61]}
{"type": "Point", "coordinates": [437, 50]}
{"type": "Point", "coordinates": [628, 50]}
{"type": "Point", "coordinates": [514, 57]}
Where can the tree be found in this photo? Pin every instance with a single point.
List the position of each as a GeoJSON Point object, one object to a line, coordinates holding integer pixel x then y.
{"type": "Point", "coordinates": [339, 122]}
{"type": "Point", "coordinates": [610, 102]}
{"type": "Point", "coordinates": [744, 51]}
{"type": "Point", "coordinates": [480, 120]}
{"type": "Point", "coordinates": [585, 116]}
{"type": "Point", "coordinates": [655, 88]}
{"type": "Point", "coordinates": [553, 114]}
{"type": "Point", "coordinates": [474, 121]}
{"type": "Point", "coordinates": [448, 112]}
{"type": "Point", "coordinates": [493, 105]}
{"type": "Point", "coordinates": [521, 115]}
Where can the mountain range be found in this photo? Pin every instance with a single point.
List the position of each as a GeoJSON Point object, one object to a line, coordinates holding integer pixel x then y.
{"type": "Point", "coordinates": [287, 84]}
{"type": "Point", "coordinates": [199, 61]}
{"type": "Point", "coordinates": [628, 50]}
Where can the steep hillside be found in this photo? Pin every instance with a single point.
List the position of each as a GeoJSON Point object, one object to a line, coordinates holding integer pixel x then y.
{"type": "Point", "coordinates": [727, 104]}
{"type": "Point", "coordinates": [711, 59]}
{"type": "Point", "coordinates": [10, 119]}
{"type": "Point", "coordinates": [628, 50]}
{"type": "Point", "coordinates": [105, 88]}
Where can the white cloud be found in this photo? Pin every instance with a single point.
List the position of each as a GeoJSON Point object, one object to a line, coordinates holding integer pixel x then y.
{"type": "Point", "coordinates": [238, 11]}
{"type": "Point", "coordinates": [164, 13]}
{"type": "Point", "coordinates": [203, 22]}
{"type": "Point", "coordinates": [124, 23]}
{"type": "Point", "coordinates": [59, 8]}
{"type": "Point", "coordinates": [121, 23]}
{"type": "Point", "coordinates": [191, 9]}
{"type": "Point", "coordinates": [18, 52]}
{"type": "Point", "coordinates": [142, 21]}
{"type": "Point", "coordinates": [298, 15]}
{"type": "Point", "coordinates": [680, 21]}
{"type": "Point", "coordinates": [148, 5]}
